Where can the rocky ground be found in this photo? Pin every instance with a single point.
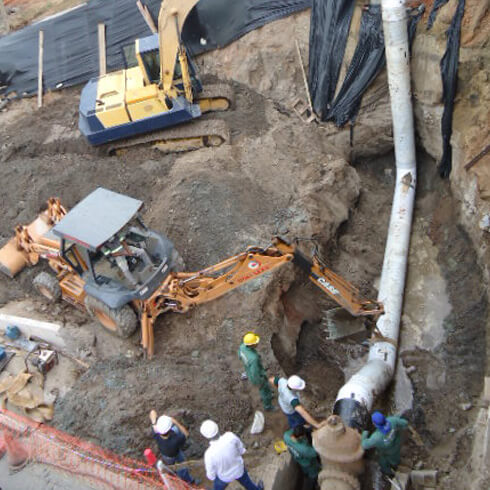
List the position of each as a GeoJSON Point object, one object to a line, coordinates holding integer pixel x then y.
{"type": "Point", "coordinates": [278, 176]}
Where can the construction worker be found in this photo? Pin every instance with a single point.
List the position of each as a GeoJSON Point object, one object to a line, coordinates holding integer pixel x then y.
{"type": "Point", "coordinates": [170, 436]}
{"type": "Point", "coordinates": [386, 439]}
{"type": "Point", "coordinates": [223, 459]}
{"type": "Point", "coordinates": [290, 402]}
{"type": "Point", "coordinates": [247, 352]}
{"type": "Point", "coordinates": [303, 453]}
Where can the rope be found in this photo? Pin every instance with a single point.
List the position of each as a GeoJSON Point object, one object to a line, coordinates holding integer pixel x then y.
{"type": "Point", "coordinates": [377, 336]}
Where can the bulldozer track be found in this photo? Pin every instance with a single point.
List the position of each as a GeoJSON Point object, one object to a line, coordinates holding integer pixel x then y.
{"type": "Point", "coordinates": [185, 137]}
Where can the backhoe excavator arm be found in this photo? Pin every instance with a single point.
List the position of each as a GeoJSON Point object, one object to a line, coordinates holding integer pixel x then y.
{"type": "Point", "coordinates": [193, 288]}
{"type": "Point", "coordinates": [183, 290]}
{"type": "Point", "coordinates": [171, 18]}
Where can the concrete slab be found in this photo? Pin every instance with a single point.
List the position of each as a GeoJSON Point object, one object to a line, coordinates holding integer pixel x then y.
{"type": "Point", "coordinates": [50, 332]}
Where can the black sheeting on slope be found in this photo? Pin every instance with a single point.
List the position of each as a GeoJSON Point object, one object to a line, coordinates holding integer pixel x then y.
{"type": "Point", "coordinates": [329, 29]}
{"type": "Point", "coordinates": [70, 39]}
{"type": "Point", "coordinates": [433, 13]}
{"type": "Point", "coordinates": [368, 60]}
{"type": "Point", "coordinates": [449, 73]}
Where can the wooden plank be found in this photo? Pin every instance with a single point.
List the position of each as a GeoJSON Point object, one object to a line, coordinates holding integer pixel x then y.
{"type": "Point", "coordinates": [40, 70]}
{"type": "Point", "coordinates": [147, 16]}
{"type": "Point", "coordinates": [102, 50]}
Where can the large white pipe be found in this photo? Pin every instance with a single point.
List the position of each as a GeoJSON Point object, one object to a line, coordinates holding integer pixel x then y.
{"type": "Point", "coordinates": [355, 399]}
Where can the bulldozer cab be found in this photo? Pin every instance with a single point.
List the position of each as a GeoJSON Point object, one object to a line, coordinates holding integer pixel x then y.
{"type": "Point", "coordinates": [106, 243]}
{"type": "Point", "coordinates": [147, 57]}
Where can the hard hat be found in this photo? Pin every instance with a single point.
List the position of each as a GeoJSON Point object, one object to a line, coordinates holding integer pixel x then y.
{"type": "Point", "coordinates": [296, 383]}
{"type": "Point", "coordinates": [251, 338]}
{"type": "Point", "coordinates": [378, 418]}
{"type": "Point", "coordinates": [209, 429]}
{"type": "Point", "coordinates": [163, 425]}
{"type": "Point", "coordinates": [380, 422]}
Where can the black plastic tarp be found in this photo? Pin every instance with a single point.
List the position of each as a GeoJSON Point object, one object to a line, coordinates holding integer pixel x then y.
{"type": "Point", "coordinates": [71, 42]}
{"type": "Point", "coordinates": [329, 29]}
{"type": "Point", "coordinates": [449, 73]}
{"type": "Point", "coordinates": [368, 60]}
{"type": "Point", "coordinates": [433, 13]}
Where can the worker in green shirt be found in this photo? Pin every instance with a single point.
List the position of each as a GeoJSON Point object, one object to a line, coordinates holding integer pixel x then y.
{"type": "Point", "coordinates": [303, 453]}
{"type": "Point", "coordinates": [253, 366]}
{"type": "Point", "coordinates": [386, 439]}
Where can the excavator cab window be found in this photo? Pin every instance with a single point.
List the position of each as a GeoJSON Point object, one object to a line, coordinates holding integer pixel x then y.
{"type": "Point", "coordinates": [129, 55]}
{"type": "Point", "coordinates": [151, 60]}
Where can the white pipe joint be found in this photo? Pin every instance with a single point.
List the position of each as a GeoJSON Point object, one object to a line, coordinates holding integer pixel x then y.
{"type": "Point", "coordinates": [355, 399]}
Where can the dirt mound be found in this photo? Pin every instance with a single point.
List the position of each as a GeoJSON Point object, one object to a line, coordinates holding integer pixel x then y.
{"type": "Point", "coordinates": [277, 176]}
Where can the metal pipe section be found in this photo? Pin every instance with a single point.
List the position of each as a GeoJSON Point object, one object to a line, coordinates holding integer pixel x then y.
{"type": "Point", "coordinates": [355, 399]}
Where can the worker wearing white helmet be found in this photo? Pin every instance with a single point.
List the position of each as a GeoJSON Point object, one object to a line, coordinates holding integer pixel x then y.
{"type": "Point", "coordinates": [289, 400]}
{"type": "Point", "coordinates": [223, 459]}
{"type": "Point", "coordinates": [256, 374]}
{"type": "Point", "coordinates": [170, 435]}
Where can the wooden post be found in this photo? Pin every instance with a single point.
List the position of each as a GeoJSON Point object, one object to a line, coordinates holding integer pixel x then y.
{"type": "Point", "coordinates": [102, 50]}
{"type": "Point", "coordinates": [40, 70]}
{"type": "Point", "coordinates": [147, 16]}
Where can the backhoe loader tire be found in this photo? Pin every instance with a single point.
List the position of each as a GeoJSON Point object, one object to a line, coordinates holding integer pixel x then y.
{"type": "Point", "coordinates": [47, 286]}
{"type": "Point", "coordinates": [121, 322]}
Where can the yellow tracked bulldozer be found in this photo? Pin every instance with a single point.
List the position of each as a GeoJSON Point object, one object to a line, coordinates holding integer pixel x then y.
{"type": "Point", "coordinates": [157, 101]}
{"type": "Point", "coordinates": [105, 260]}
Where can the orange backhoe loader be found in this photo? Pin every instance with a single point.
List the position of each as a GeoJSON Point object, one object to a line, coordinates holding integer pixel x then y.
{"type": "Point", "coordinates": [105, 260]}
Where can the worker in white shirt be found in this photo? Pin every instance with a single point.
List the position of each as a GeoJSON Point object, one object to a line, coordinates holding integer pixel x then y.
{"type": "Point", "coordinates": [289, 400]}
{"type": "Point", "coordinates": [223, 459]}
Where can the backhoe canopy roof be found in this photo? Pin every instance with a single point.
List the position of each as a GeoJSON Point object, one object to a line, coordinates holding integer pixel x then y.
{"type": "Point", "coordinates": [97, 218]}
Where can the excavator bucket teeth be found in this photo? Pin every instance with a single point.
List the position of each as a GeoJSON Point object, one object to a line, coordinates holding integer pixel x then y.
{"type": "Point", "coordinates": [12, 260]}
{"type": "Point", "coordinates": [340, 324]}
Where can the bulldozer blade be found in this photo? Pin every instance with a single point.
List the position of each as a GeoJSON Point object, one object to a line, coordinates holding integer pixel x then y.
{"type": "Point", "coordinates": [12, 260]}
{"type": "Point", "coordinates": [341, 324]}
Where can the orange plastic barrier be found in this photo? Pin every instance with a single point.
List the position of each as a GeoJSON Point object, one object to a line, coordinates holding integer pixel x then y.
{"type": "Point", "coordinates": [27, 441]}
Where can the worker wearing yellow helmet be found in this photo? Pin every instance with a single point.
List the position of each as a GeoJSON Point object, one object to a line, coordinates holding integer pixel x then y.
{"type": "Point", "coordinates": [253, 366]}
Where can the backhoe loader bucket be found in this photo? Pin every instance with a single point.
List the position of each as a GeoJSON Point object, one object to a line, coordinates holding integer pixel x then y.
{"type": "Point", "coordinates": [12, 260]}
{"type": "Point", "coordinates": [13, 257]}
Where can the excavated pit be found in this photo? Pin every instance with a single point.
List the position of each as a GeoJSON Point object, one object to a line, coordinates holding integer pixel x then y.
{"type": "Point", "coordinates": [278, 176]}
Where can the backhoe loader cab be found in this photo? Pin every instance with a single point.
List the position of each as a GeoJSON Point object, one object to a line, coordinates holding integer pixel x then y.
{"type": "Point", "coordinates": [105, 242]}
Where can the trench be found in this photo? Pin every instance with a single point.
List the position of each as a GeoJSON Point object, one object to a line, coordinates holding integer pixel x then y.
{"type": "Point", "coordinates": [442, 354]}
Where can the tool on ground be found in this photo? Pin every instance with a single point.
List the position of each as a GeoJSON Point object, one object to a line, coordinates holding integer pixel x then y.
{"type": "Point", "coordinates": [44, 360]}
{"type": "Point", "coordinates": [5, 357]}
{"type": "Point", "coordinates": [83, 364]}
{"type": "Point", "coordinates": [280, 447]}
{"type": "Point", "coordinates": [159, 89]}
{"type": "Point", "coordinates": [106, 260]}
{"type": "Point", "coordinates": [12, 332]}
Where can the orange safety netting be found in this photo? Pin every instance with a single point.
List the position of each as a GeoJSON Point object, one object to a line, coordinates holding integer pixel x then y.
{"type": "Point", "coordinates": [27, 441]}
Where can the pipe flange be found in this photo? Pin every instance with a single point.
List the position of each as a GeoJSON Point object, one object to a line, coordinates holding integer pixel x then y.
{"type": "Point", "coordinates": [328, 478]}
